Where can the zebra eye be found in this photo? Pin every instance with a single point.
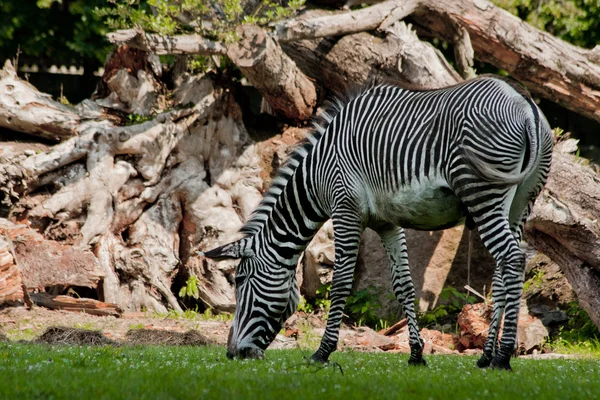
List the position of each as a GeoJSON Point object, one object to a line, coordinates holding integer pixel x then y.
{"type": "Point", "coordinates": [239, 279]}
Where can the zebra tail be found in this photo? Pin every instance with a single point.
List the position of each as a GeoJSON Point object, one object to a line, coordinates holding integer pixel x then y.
{"type": "Point", "coordinates": [501, 178]}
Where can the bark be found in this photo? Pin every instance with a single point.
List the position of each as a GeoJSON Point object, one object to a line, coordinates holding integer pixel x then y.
{"type": "Point", "coordinates": [349, 63]}
{"type": "Point", "coordinates": [564, 224]}
{"type": "Point", "coordinates": [11, 283]}
{"type": "Point", "coordinates": [161, 45]}
{"type": "Point", "coordinates": [24, 109]}
{"type": "Point", "coordinates": [71, 266]}
{"type": "Point", "coordinates": [273, 73]}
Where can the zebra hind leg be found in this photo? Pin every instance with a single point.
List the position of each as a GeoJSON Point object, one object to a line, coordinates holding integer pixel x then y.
{"type": "Point", "coordinates": [503, 246]}
{"type": "Point", "coordinates": [394, 243]}
{"type": "Point", "coordinates": [347, 228]}
{"type": "Point", "coordinates": [491, 343]}
{"type": "Point", "coordinates": [498, 291]}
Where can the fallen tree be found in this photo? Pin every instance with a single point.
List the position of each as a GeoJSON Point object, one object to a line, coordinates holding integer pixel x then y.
{"type": "Point", "coordinates": [564, 224]}
{"type": "Point", "coordinates": [143, 196]}
{"type": "Point", "coordinates": [547, 65]}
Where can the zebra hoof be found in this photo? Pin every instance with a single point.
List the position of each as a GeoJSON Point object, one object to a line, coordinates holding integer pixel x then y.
{"type": "Point", "coordinates": [420, 362]}
{"type": "Point", "coordinates": [484, 361]}
{"type": "Point", "coordinates": [501, 364]}
{"type": "Point", "coordinates": [317, 359]}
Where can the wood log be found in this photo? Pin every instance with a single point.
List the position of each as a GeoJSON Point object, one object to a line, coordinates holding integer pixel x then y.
{"type": "Point", "coordinates": [164, 44]}
{"type": "Point", "coordinates": [24, 109]}
{"type": "Point", "coordinates": [11, 283]}
{"type": "Point", "coordinates": [345, 65]}
{"type": "Point", "coordinates": [287, 90]}
{"type": "Point", "coordinates": [564, 224]}
{"type": "Point", "coordinates": [548, 66]}
{"type": "Point", "coordinates": [44, 263]}
{"type": "Point", "coordinates": [67, 303]}
{"type": "Point", "coordinates": [258, 56]}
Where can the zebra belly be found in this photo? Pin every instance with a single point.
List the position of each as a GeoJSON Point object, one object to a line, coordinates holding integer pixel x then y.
{"type": "Point", "coordinates": [428, 205]}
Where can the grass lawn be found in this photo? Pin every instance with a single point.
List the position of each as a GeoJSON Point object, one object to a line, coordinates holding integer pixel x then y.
{"type": "Point", "coordinates": [60, 372]}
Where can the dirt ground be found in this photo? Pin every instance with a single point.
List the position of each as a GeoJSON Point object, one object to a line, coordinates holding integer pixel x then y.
{"type": "Point", "coordinates": [18, 323]}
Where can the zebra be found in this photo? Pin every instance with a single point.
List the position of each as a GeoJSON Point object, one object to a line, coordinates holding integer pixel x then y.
{"type": "Point", "coordinates": [478, 152]}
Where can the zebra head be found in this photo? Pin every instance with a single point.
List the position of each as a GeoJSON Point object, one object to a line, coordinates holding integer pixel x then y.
{"type": "Point", "coordinates": [266, 295]}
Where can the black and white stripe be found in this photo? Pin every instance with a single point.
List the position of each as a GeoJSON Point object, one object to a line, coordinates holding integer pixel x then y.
{"type": "Point", "coordinates": [392, 158]}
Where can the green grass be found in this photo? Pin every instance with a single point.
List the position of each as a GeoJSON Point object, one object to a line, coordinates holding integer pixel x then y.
{"type": "Point", "coordinates": [60, 372]}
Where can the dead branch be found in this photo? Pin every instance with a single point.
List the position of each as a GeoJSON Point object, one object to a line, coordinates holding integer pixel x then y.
{"type": "Point", "coordinates": [67, 303]}
{"type": "Point", "coordinates": [24, 109]}
{"type": "Point", "coordinates": [159, 44]}
{"type": "Point", "coordinates": [273, 73]}
{"type": "Point", "coordinates": [349, 63]}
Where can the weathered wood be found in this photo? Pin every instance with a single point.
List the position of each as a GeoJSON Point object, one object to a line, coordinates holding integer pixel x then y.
{"type": "Point", "coordinates": [344, 65]}
{"type": "Point", "coordinates": [11, 284]}
{"type": "Point", "coordinates": [44, 263]}
{"type": "Point", "coordinates": [548, 66]}
{"type": "Point", "coordinates": [67, 303]}
{"type": "Point", "coordinates": [583, 278]}
{"type": "Point", "coordinates": [159, 44]}
{"type": "Point", "coordinates": [564, 224]}
{"type": "Point", "coordinates": [379, 16]}
{"type": "Point", "coordinates": [288, 91]}
{"type": "Point", "coordinates": [146, 195]}
{"type": "Point", "coordinates": [24, 109]}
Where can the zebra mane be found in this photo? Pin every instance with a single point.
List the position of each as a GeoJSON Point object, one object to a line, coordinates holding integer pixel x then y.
{"type": "Point", "coordinates": [286, 171]}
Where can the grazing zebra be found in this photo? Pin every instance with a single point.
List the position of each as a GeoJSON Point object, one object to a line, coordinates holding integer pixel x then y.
{"type": "Point", "coordinates": [389, 159]}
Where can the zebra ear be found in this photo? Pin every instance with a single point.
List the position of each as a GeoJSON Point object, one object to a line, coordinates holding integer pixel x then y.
{"type": "Point", "coordinates": [238, 249]}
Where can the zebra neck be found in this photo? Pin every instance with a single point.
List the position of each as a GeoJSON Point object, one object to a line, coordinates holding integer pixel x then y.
{"type": "Point", "coordinates": [294, 220]}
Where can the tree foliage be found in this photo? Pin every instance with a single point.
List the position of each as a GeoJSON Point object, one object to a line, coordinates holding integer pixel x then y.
{"type": "Point", "coordinates": [575, 21]}
{"type": "Point", "coordinates": [49, 32]}
{"type": "Point", "coordinates": [215, 19]}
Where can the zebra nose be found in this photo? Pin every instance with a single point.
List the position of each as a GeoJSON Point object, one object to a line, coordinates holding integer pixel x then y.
{"type": "Point", "coordinates": [231, 347]}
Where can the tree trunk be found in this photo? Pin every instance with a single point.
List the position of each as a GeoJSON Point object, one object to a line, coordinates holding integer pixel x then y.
{"type": "Point", "coordinates": [144, 196]}
{"type": "Point", "coordinates": [564, 224]}
{"type": "Point", "coordinates": [347, 64]}
{"type": "Point", "coordinates": [273, 73]}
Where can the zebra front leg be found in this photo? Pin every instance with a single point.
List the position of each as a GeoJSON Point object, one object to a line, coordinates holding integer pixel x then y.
{"type": "Point", "coordinates": [347, 229]}
{"type": "Point", "coordinates": [394, 243]}
{"type": "Point", "coordinates": [491, 343]}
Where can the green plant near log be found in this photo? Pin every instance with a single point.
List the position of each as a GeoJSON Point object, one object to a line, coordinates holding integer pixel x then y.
{"type": "Point", "coordinates": [576, 21]}
{"type": "Point", "coordinates": [451, 304]}
{"type": "Point", "coordinates": [213, 20]}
